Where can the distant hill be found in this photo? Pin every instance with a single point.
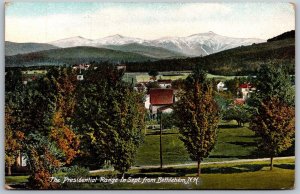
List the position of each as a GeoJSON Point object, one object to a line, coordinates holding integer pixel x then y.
{"type": "Point", "coordinates": [150, 51]}
{"type": "Point", "coordinates": [242, 60]}
{"type": "Point", "coordinates": [12, 48]}
{"type": "Point", "coordinates": [71, 56]}
{"type": "Point", "coordinates": [286, 35]}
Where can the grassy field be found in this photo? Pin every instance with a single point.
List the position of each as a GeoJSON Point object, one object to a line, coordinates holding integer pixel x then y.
{"type": "Point", "coordinates": [144, 77]}
{"type": "Point", "coordinates": [250, 175]}
{"type": "Point", "coordinates": [232, 143]}
{"type": "Point", "coordinates": [239, 175]}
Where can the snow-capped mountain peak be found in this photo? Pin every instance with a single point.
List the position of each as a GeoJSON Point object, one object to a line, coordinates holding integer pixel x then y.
{"type": "Point", "coordinates": [194, 45]}
{"type": "Point", "coordinates": [72, 42]}
{"type": "Point", "coordinates": [117, 39]}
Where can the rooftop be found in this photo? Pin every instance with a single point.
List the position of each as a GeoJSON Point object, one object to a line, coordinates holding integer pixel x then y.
{"type": "Point", "coordinates": [159, 96]}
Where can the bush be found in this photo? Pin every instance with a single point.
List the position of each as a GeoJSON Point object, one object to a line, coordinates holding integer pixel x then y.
{"type": "Point", "coordinates": [77, 171]}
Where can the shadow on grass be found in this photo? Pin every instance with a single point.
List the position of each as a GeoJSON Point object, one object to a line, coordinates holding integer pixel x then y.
{"type": "Point", "coordinates": [228, 126]}
{"type": "Point", "coordinates": [238, 157]}
{"type": "Point", "coordinates": [285, 166]}
{"type": "Point", "coordinates": [175, 172]}
{"type": "Point", "coordinates": [158, 133]}
{"type": "Point", "coordinates": [172, 172]}
{"type": "Point", "coordinates": [244, 144]}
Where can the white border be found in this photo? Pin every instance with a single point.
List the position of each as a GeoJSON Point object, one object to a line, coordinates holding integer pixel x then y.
{"type": "Point", "coordinates": [2, 70]}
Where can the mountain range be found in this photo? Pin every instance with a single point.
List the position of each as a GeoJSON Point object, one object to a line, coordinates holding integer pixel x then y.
{"type": "Point", "coordinates": [201, 44]}
{"type": "Point", "coordinates": [195, 45]}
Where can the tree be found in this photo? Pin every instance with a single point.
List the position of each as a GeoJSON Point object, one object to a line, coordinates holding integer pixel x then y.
{"type": "Point", "coordinates": [168, 120]}
{"type": "Point", "coordinates": [272, 82]}
{"type": "Point", "coordinates": [153, 74]}
{"type": "Point", "coordinates": [197, 117]}
{"type": "Point", "coordinates": [110, 117]}
{"type": "Point", "coordinates": [152, 85]}
{"type": "Point", "coordinates": [13, 136]}
{"type": "Point", "coordinates": [275, 124]}
{"type": "Point", "coordinates": [242, 114]}
{"type": "Point", "coordinates": [49, 141]}
{"type": "Point", "coordinates": [274, 115]}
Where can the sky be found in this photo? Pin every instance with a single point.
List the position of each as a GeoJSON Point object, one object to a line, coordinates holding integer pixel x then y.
{"type": "Point", "coordinates": [45, 22]}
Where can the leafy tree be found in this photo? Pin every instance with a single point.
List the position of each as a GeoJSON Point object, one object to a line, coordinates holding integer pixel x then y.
{"type": "Point", "coordinates": [274, 117]}
{"type": "Point", "coordinates": [13, 79]}
{"type": "Point", "coordinates": [242, 114]}
{"type": "Point", "coordinates": [61, 132]}
{"type": "Point", "coordinates": [152, 85]}
{"type": "Point", "coordinates": [275, 124]}
{"type": "Point", "coordinates": [153, 73]}
{"type": "Point", "coordinates": [110, 117]}
{"type": "Point", "coordinates": [224, 100]}
{"type": "Point", "coordinates": [168, 120]}
{"type": "Point", "coordinates": [49, 142]}
{"type": "Point", "coordinates": [273, 82]}
{"type": "Point", "coordinates": [197, 117]}
{"type": "Point", "coordinates": [13, 136]}
{"type": "Point", "coordinates": [178, 84]}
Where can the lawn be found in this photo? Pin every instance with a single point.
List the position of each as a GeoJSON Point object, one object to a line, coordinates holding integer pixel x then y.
{"type": "Point", "coordinates": [232, 143]}
{"type": "Point", "coordinates": [221, 77]}
{"type": "Point", "coordinates": [144, 77]}
{"type": "Point", "coordinates": [238, 175]}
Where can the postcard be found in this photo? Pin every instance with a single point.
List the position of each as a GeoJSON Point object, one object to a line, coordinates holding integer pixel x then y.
{"type": "Point", "coordinates": [144, 95]}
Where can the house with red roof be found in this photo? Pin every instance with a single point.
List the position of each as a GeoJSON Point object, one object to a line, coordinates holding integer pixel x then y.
{"type": "Point", "coordinates": [245, 90]}
{"type": "Point", "coordinates": [161, 99]}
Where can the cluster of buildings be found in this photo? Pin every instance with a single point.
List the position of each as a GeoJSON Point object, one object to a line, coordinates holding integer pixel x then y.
{"type": "Point", "coordinates": [160, 100]}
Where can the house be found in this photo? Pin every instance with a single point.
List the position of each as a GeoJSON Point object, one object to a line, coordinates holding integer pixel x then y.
{"type": "Point", "coordinates": [167, 83]}
{"type": "Point", "coordinates": [120, 66]}
{"type": "Point", "coordinates": [221, 87]}
{"type": "Point", "coordinates": [81, 66]}
{"type": "Point", "coordinates": [245, 90]}
{"type": "Point", "coordinates": [160, 100]}
{"type": "Point", "coordinates": [21, 160]}
{"type": "Point", "coordinates": [147, 101]}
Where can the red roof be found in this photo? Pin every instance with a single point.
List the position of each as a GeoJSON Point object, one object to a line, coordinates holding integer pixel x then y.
{"type": "Point", "coordinates": [160, 96]}
{"type": "Point", "coordinates": [239, 101]}
{"type": "Point", "coordinates": [245, 86]}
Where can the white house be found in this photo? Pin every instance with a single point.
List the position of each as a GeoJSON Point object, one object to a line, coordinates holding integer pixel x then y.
{"type": "Point", "coordinates": [165, 83]}
{"type": "Point", "coordinates": [245, 90]}
{"type": "Point", "coordinates": [221, 86]}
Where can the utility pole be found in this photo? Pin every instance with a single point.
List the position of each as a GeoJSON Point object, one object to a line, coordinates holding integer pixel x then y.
{"type": "Point", "coordinates": [160, 141]}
